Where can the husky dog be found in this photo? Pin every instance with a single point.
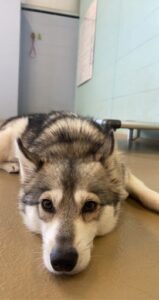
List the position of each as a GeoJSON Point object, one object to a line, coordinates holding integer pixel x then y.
{"type": "Point", "coordinates": [73, 183]}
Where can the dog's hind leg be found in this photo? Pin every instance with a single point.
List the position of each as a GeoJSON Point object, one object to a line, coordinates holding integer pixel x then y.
{"type": "Point", "coordinates": [139, 190]}
{"type": "Point", "coordinates": [10, 167]}
{"type": "Point", "coordinates": [6, 145]}
{"type": "Point", "coordinates": [8, 161]}
{"type": "Point", "coordinates": [8, 134]}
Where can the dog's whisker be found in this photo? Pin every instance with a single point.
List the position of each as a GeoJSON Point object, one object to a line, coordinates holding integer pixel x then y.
{"type": "Point", "coordinates": [81, 241]}
{"type": "Point", "coordinates": [38, 260]}
{"type": "Point", "coordinates": [85, 249]}
{"type": "Point", "coordinates": [38, 254]}
{"type": "Point", "coordinates": [98, 255]}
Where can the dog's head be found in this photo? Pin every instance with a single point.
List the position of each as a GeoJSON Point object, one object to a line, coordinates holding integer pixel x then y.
{"type": "Point", "coordinates": [71, 191]}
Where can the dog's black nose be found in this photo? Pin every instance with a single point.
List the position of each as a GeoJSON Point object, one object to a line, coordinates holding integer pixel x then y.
{"type": "Point", "coordinates": [63, 260]}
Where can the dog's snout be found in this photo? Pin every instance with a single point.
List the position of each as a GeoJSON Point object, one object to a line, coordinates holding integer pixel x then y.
{"type": "Point", "coordinates": [63, 260]}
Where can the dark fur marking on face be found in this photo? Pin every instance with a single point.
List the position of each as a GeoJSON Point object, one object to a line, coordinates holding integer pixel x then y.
{"type": "Point", "coordinates": [95, 216]}
{"type": "Point", "coordinates": [28, 200]}
{"type": "Point", "coordinates": [67, 208]}
{"type": "Point", "coordinates": [65, 236]}
{"type": "Point", "coordinates": [106, 195]}
{"type": "Point", "coordinates": [69, 177]}
{"type": "Point", "coordinates": [32, 194]}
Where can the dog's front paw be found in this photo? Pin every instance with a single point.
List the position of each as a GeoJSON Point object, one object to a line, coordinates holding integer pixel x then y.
{"type": "Point", "coordinates": [11, 167]}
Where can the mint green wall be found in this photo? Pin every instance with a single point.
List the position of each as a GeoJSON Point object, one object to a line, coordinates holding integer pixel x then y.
{"type": "Point", "coordinates": [125, 81]}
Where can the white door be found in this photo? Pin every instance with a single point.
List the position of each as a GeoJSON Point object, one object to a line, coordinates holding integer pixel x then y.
{"type": "Point", "coordinates": [48, 64]}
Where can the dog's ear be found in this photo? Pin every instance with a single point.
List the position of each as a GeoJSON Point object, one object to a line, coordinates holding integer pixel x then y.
{"type": "Point", "coordinates": [108, 145]}
{"type": "Point", "coordinates": [29, 162]}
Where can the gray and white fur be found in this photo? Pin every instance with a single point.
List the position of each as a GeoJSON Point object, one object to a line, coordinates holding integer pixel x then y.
{"type": "Point", "coordinates": [73, 183]}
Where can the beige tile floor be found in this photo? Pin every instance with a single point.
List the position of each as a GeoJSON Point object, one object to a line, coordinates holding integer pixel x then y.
{"type": "Point", "coordinates": [125, 263]}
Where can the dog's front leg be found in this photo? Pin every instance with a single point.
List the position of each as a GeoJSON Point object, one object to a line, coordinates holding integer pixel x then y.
{"type": "Point", "coordinates": [137, 188]}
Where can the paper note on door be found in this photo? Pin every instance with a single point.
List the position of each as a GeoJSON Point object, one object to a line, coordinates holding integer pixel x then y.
{"type": "Point", "coordinates": [86, 45]}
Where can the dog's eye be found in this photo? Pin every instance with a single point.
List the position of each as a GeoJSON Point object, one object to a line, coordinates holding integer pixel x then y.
{"type": "Point", "coordinates": [47, 205]}
{"type": "Point", "coordinates": [89, 207]}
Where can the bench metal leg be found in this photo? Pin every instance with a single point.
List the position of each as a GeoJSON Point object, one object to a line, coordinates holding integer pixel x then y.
{"type": "Point", "coordinates": [131, 137]}
{"type": "Point", "coordinates": [138, 133]}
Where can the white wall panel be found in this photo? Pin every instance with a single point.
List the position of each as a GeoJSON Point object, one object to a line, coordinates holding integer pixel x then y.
{"type": "Point", "coordinates": [9, 56]}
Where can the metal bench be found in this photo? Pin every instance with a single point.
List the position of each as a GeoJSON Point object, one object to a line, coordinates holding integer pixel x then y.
{"type": "Point", "coordinates": [131, 125]}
